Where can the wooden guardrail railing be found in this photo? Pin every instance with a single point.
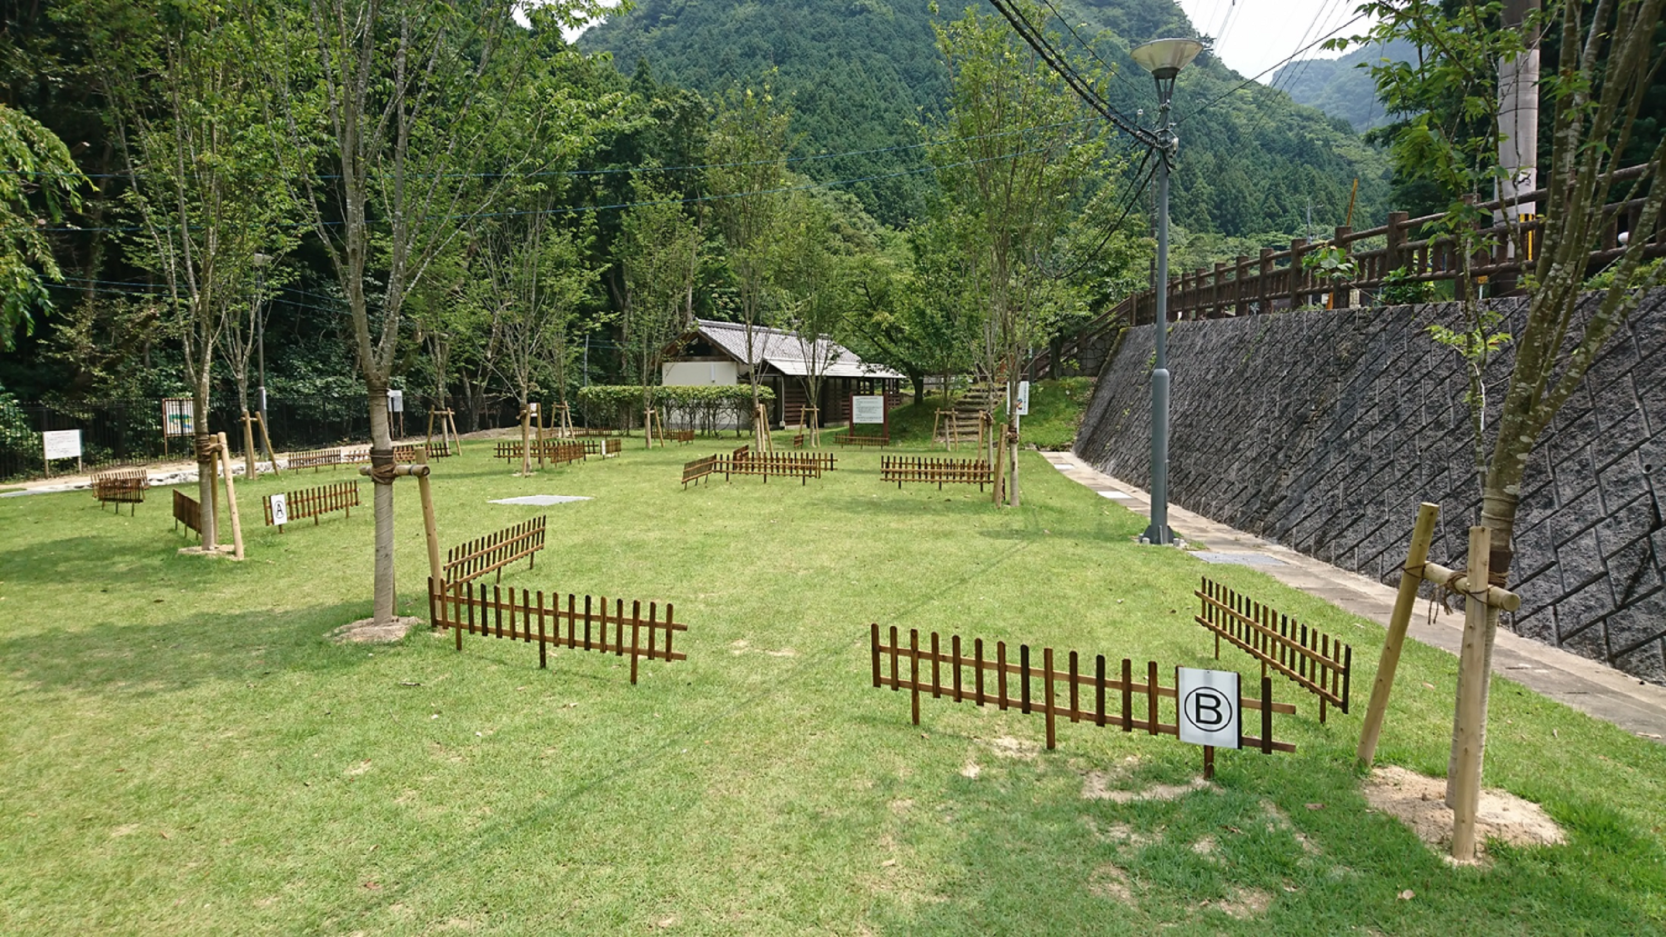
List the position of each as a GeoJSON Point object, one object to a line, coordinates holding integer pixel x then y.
{"type": "Point", "coordinates": [536, 617]}
{"type": "Point", "coordinates": [1308, 656]}
{"type": "Point", "coordinates": [495, 550]}
{"type": "Point", "coordinates": [1277, 279]}
{"type": "Point", "coordinates": [800, 465]}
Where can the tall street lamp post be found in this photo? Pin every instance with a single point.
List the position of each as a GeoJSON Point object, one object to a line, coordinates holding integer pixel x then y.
{"type": "Point", "coordinates": [1163, 58]}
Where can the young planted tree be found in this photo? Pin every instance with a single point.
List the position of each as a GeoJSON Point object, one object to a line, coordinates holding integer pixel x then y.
{"type": "Point", "coordinates": [185, 99]}
{"type": "Point", "coordinates": [747, 153]}
{"type": "Point", "coordinates": [659, 250]}
{"type": "Point", "coordinates": [1608, 54]}
{"type": "Point", "coordinates": [406, 119]}
{"type": "Point", "coordinates": [242, 335]}
{"type": "Point", "coordinates": [812, 293]}
{"type": "Point", "coordinates": [1012, 152]}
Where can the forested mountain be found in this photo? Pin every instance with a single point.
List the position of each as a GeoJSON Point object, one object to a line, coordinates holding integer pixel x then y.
{"type": "Point", "coordinates": [1342, 87]}
{"type": "Point", "coordinates": [863, 76]}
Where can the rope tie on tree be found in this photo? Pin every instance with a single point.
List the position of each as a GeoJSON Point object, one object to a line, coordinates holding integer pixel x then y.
{"type": "Point", "coordinates": [207, 446]}
{"type": "Point", "coordinates": [381, 466]}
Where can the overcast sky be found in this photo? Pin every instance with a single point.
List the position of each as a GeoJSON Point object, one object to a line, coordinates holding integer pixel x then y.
{"type": "Point", "coordinates": [1253, 35]}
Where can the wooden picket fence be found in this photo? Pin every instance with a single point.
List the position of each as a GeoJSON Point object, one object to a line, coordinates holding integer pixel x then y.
{"type": "Point", "coordinates": [120, 486]}
{"type": "Point", "coordinates": [442, 449]}
{"type": "Point", "coordinates": [494, 551]}
{"type": "Point", "coordinates": [802, 466]}
{"type": "Point", "coordinates": [315, 502]}
{"type": "Point", "coordinates": [602, 447]}
{"type": "Point", "coordinates": [1112, 700]}
{"type": "Point", "coordinates": [315, 459]}
{"type": "Point", "coordinates": [862, 440]}
{"type": "Point", "coordinates": [535, 617]}
{"type": "Point", "coordinates": [901, 469]}
{"type": "Point", "coordinates": [556, 451]}
{"type": "Point", "coordinates": [683, 436]}
{"type": "Point", "coordinates": [188, 512]}
{"type": "Point", "coordinates": [1309, 657]}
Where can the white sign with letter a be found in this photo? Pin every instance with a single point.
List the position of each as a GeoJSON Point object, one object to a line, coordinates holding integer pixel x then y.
{"type": "Point", "coordinates": [280, 510]}
{"type": "Point", "coordinates": [1208, 707]}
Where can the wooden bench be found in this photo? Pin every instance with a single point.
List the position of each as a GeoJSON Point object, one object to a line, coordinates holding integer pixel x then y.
{"type": "Point", "coordinates": [120, 486]}
{"type": "Point", "coordinates": [494, 551]}
{"type": "Point", "coordinates": [901, 469]}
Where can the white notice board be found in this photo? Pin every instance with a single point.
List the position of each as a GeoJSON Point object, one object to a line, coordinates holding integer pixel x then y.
{"type": "Point", "coordinates": [280, 510]}
{"type": "Point", "coordinates": [176, 417]}
{"type": "Point", "coordinates": [1209, 713]}
{"type": "Point", "coordinates": [396, 401]}
{"type": "Point", "coordinates": [61, 444]}
{"type": "Point", "coordinates": [867, 408]}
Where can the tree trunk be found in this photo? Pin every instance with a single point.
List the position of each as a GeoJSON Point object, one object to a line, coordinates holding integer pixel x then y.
{"type": "Point", "coordinates": [1015, 421]}
{"type": "Point", "coordinates": [207, 527]}
{"type": "Point", "coordinates": [381, 458]}
{"type": "Point", "coordinates": [248, 427]}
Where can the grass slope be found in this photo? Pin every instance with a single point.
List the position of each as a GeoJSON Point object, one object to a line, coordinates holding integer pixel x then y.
{"type": "Point", "coordinates": [185, 753]}
{"type": "Point", "coordinates": [1055, 412]}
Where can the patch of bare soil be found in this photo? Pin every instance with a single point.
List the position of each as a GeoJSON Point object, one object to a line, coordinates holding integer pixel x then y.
{"type": "Point", "coordinates": [1111, 882]}
{"type": "Point", "coordinates": [366, 631]}
{"type": "Point", "coordinates": [1008, 747]}
{"type": "Point", "coordinates": [1096, 785]}
{"type": "Point", "coordinates": [1420, 803]}
{"type": "Point", "coordinates": [1244, 903]}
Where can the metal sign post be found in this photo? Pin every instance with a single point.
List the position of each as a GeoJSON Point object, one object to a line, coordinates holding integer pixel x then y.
{"type": "Point", "coordinates": [1208, 701]}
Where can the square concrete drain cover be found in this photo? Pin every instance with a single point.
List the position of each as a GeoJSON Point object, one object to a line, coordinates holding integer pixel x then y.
{"type": "Point", "coordinates": [1120, 496]}
{"type": "Point", "coordinates": [542, 500]}
{"type": "Point", "coordinates": [1238, 559]}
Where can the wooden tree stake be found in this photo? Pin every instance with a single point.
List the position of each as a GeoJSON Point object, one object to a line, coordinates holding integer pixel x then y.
{"type": "Point", "coordinates": [1411, 578]}
{"type": "Point", "coordinates": [430, 529]}
{"type": "Point", "coordinates": [1471, 712]}
{"type": "Point", "coordinates": [271, 454]}
{"type": "Point", "coordinates": [231, 499]}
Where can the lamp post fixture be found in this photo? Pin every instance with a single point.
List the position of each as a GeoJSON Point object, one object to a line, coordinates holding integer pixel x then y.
{"type": "Point", "coordinates": [260, 262]}
{"type": "Point", "coordinates": [1163, 58]}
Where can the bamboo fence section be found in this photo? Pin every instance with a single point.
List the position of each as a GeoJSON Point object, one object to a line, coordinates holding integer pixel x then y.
{"type": "Point", "coordinates": [800, 465]}
{"type": "Point", "coordinates": [612, 447]}
{"type": "Point", "coordinates": [682, 436]}
{"type": "Point", "coordinates": [1096, 697]}
{"type": "Point", "coordinates": [315, 459]}
{"type": "Point", "coordinates": [532, 617]}
{"type": "Point", "coordinates": [553, 451]}
{"type": "Point", "coordinates": [120, 486]}
{"type": "Point", "coordinates": [1308, 656]}
{"type": "Point", "coordinates": [862, 440]}
{"type": "Point", "coordinates": [494, 551]}
{"type": "Point", "coordinates": [188, 512]}
{"type": "Point", "coordinates": [315, 503]}
{"type": "Point", "coordinates": [901, 469]}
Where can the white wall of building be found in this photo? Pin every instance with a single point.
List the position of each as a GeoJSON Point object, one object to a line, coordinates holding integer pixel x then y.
{"type": "Point", "coordinates": [699, 373]}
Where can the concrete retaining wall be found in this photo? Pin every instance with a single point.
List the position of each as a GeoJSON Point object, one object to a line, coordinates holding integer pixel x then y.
{"type": "Point", "coordinates": [1324, 430]}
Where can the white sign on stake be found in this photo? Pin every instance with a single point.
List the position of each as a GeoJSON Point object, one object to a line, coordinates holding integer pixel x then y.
{"type": "Point", "coordinates": [61, 444]}
{"type": "Point", "coordinates": [532, 409]}
{"type": "Point", "coordinates": [867, 409]}
{"type": "Point", "coordinates": [396, 401]}
{"type": "Point", "coordinates": [280, 510]}
{"type": "Point", "coordinates": [1208, 702]}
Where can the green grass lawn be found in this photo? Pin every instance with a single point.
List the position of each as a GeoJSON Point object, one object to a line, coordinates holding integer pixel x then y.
{"type": "Point", "coordinates": [185, 753]}
{"type": "Point", "coordinates": [1055, 411]}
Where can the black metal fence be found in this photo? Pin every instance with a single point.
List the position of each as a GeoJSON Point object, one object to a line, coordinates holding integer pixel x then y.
{"type": "Point", "coordinates": [130, 430]}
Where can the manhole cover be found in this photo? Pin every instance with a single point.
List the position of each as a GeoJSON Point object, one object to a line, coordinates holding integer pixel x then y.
{"type": "Point", "coordinates": [1238, 559]}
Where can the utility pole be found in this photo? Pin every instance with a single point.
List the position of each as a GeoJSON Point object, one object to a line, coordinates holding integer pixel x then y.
{"type": "Point", "coordinates": [1518, 129]}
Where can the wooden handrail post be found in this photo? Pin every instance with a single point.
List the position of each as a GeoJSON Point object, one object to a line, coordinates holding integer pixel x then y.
{"type": "Point", "coordinates": [1341, 294]}
{"type": "Point", "coordinates": [1263, 282]}
{"type": "Point", "coordinates": [1394, 258]}
{"type": "Point", "coordinates": [1217, 298]}
{"type": "Point", "coordinates": [1240, 297]}
{"type": "Point", "coordinates": [1410, 579]}
{"type": "Point", "coordinates": [1298, 247]}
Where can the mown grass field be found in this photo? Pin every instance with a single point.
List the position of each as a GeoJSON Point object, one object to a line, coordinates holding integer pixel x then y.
{"type": "Point", "coordinates": [184, 752]}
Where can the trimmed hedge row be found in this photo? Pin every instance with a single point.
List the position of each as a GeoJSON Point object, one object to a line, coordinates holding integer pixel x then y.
{"type": "Point", "coordinates": [703, 407]}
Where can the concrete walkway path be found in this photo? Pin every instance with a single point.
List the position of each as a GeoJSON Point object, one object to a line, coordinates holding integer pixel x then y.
{"type": "Point", "coordinates": [1586, 685]}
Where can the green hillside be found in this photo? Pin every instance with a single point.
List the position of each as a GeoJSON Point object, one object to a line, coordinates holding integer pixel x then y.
{"type": "Point", "coordinates": [1342, 87]}
{"type": "Point", "coordinates": [863, 75]}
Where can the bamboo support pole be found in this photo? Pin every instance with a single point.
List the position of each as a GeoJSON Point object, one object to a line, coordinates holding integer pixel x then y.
{"type": "Point", "coordinates": [1411, 577]}
{"type": "Point", "coordinates": [271, 453]}
{"type": "Point", "coordinates": [251, 473]}
{"type": "Point", "coordinates": [231, 500]}
{"type": "Point", "coordinates": [526, 451]}
{"type": "Point", "coordinates": [1471, 715]}
{"type": "Point", "coordinates": [430, 528]}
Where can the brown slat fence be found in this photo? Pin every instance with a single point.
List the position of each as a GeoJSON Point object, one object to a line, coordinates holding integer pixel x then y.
{"type": "Point", "coordinates": [802, 466]}
{"type": "Point", "coordinates": [901, 469]}
{"type": "Point", "coordinates": [607, 447]}
{"type": "Point", "coordinates": [1308, 656]}
{"type": "Point", "coordinates": [315, 502]}
{"type": "Point", "coordinates": [121, 486]}
{"type": "Point", "coordinates": [535, 617]}
{"type": "Point", "coordinates": [315, 459]}
{"type": "Point", "coordinates": [556, 451]}
{"type": "Point", "coordinates": [495, 550]}
{"type": "Point", "coordinates": [863, 440]}
{"type": "Point", "coordinates": [188, 512]}
{"type": "Point", "coordinates": [1111, 699]}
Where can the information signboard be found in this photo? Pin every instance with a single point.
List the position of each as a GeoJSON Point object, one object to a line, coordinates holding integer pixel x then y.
{"type": "Point", "coordinates": [176, 417]}
{"type": "Point", "coordinates": [280, 510]}
{"type": "Point", "coordinates": [1208, 701]}
{"type": "Point", "coordinates": [867, 409]}
{"type": "Point", "coordinates": [396, 401]}
{"type": "Point", "coordinates": [61, 444]}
